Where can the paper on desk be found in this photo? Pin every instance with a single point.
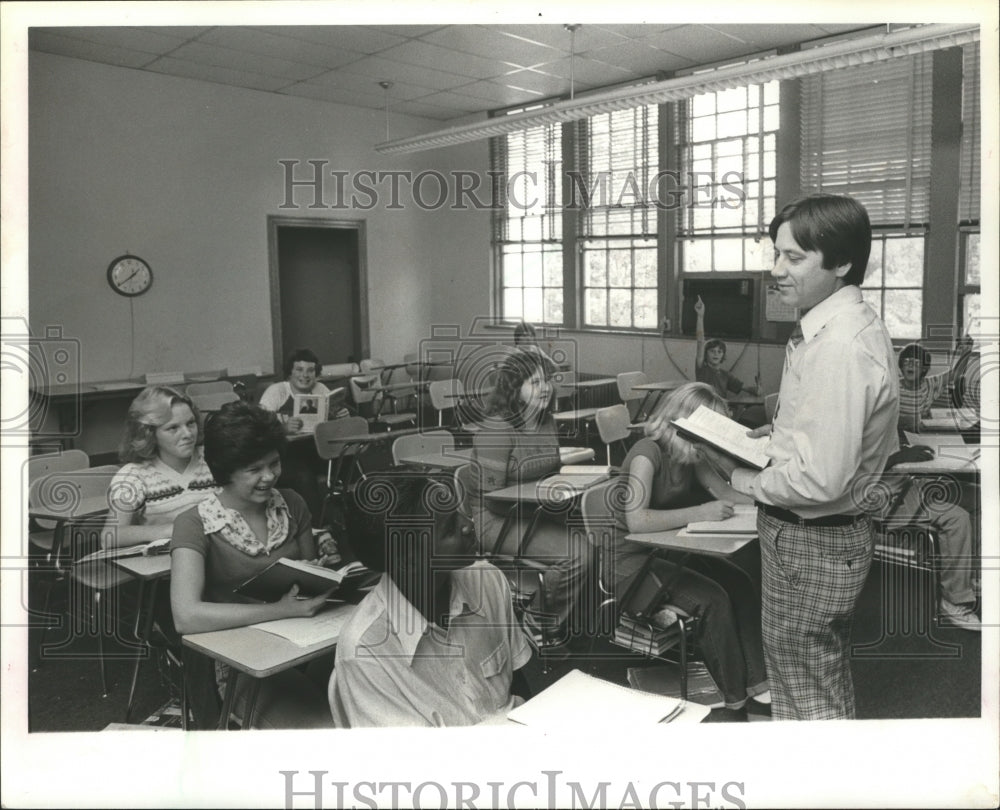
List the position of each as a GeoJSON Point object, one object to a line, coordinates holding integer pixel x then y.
{"type": "Point", "coordinates": [310, 630]}
{"type": "Point", "coordinates": [743, 521]}
{"type": "Point", "coordinates": [578, 700]}
{"type": "Point", "coordinates": [942, 444]}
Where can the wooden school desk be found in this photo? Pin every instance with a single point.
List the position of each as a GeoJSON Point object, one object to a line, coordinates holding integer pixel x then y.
{"type": "Point", "coordinates": [258, 654]}
{"type": "Point", "coordinates": [149, 570]}
{"type": "Point", "coordinates": [711, 545]}
{"type": "Point", "coordinates": [583, 389]}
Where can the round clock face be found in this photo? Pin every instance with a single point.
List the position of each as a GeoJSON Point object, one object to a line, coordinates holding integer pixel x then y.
{"type": "Point", "coordinates": [129, 275]}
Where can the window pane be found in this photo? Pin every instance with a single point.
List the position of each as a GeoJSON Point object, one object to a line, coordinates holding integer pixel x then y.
{"type": "Point", "coordinates": [903, 313]}
{"type": "Point", "coordinates": [728, 254]}
{"type": "Point", "coordinates": [620, 307]}
{"type": "Point", "coordinates": [703, 129]}
{"type": "Point", "coordinates": [972, 259]}
{"type": "Point", "coordinates": [619, 268]}
{"type": "Point", "coordinates": [873, 276]}
{"type": "Point", "coordinates": [533, 269]}
{"type": "Point", "coordinates": [594, 261]}
{"type": "Point", "coordinates": [645, 267]}
{"type": "Point", "coordinates": [595, 306]}
{"type": "Point", "coordinates": [553, 306]}
{"type": "Point", "coordinates": [697, 255]}
{"type": "Point", "coordinates": [971, 323]}
{"type": "Point", "coordinates": [553, 268]}
{"type": "Point", "coordinates": [759, 254]}
{"type": "Point", "coordinates": [904, 262]}
{"type": "Point", "coordinates": [644, 313]}
{"type": "Point", "coordinates": [512, 304]}
{"type": "Point", "coordinates": [533, 304]}
{"type": "Point", "coordinates": [512, 270]}
{"type": "Point", "coordinates": [532, 229]}
{"type": "Point", "coordinates": [733, 99]}
{"type": "Point", "coordinates": [874, 300]}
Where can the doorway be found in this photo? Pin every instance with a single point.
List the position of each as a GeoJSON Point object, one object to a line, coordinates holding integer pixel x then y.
{"type": "Point", "coordinates": [318, 288]}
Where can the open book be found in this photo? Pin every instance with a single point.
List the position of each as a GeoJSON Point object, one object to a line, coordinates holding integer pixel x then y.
{"type": "Point", "coordinates": [724, 434]}
{"type": "Point", "coordinates": [315, 408]}
{"type": "Point", "coordinates": [306, 631]}
{"type": "Point", "coordinates": [571, 480]}
{"type": "Point", "coordinates": [578, 700]}
{"type": "Point", "coordinates": [159, 546]}
{"type": "Point", "coordinates": [277, 579]}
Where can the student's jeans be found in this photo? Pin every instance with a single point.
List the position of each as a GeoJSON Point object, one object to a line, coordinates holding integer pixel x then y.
{"type": "Point", "coordinates": [568, 557]}
{"type": "Point", "coordinates": [729, 605]}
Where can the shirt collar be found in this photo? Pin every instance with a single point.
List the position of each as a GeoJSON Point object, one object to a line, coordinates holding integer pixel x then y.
{"type": "Point", "coordinates": [408, 623]}
{"type": "Point", "coordinates": [820, 315]}
{"type": "Point", "coordinates": [217, 518]}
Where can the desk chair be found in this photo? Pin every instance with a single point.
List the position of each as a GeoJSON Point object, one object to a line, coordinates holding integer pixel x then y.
{"type": "Point", "coordinates": [599, 523]}
{"type": "Point", "coordinates": [331, 447]}
{"type": "Point", "coordinates": [41, 533]}
{"type": "Point", "coordinates": [76, 536]}
{"type": "Point", "coordinates": [434, 442]}
{"type": "Point", "coordinates": [390, 387]}
{"type": "Point", "coordinates": [630, 398]}
{"type": "Point", "coordinates": [613, 426]}
{"type": "Point", "coordinates": [526, 577]}
{"type": "Point", "coordinates": [208, 403]}
{"type": "Point", "coordinates": [450, 395]}
{"type": "Point", "coordinates": [197, 389]}
{"type": "Point", "coordinates": [563, 383]}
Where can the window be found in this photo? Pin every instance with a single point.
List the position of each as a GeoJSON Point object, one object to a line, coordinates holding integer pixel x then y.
{"type": "Point", "coordinates": [618, 158]}
{"type": "Point", "coordinates": [727, 153]}
{"type": "Point", "coordinates": [527, 235]}
{"type": "Point", "coordinates": [968, 201]}
{"type": "Point", "coordinates": [968, 289]}
{"type": "Point", "coordinates": [894, 283]}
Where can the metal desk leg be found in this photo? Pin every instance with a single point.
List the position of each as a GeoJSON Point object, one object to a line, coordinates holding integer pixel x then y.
{"type": "Point", "coordinates": [250, 707]}
{"type": "Point", "coordinates": [142, 634]}
{"type": "Point", "coordinates": [227, 700]}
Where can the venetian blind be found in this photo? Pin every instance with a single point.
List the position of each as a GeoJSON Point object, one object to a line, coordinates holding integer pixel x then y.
{"type": "Point", "coordinates": [866, 132]}
{"type": "Point", "coordinates": [528, 166]}
{"type": "Point", "coordinates": [968, 199]}
{"type": "Point", "coordinates": [617, 156]}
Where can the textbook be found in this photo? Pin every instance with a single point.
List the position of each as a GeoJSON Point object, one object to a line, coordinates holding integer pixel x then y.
{"type": "Point", "coordinates": [306, 631]}
{"type": "Point", "coordinates": [666, 680]}
{"type": "Point", "coordinates": [724, 434]}
{"type": "Point", "coordinates": [578, 700]}
{"type": "Point", "coordinates": [277, 579]}
{"type": "Point", "coordinates": [315, 408]}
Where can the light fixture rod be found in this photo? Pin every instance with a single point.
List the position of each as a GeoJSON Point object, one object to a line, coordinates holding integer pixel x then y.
{"type": "Point", "coordinates": [841, 54]}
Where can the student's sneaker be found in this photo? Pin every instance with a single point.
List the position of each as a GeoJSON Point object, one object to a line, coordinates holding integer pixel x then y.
{"type": "Point", "coordinates": [959, 616]}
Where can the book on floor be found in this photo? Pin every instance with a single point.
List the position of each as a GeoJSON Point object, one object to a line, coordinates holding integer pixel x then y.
{"type": "Point", "coordinates": [724, 434]}
{"type": "Point", "coordinates": [665, 679]}
{"type": "Point", "coordinates": [277, 579]}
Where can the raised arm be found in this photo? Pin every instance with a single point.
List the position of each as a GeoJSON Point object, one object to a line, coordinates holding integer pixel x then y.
{"type": "Point", "coordinates": [699, 333]}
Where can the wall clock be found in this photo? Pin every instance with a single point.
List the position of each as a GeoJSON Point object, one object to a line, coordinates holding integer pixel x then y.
{"type": "Point", "coordinates": [129, 275]}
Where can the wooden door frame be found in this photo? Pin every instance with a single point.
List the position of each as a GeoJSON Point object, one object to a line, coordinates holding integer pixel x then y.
{"type": "Point", "coordinates": [275, 221]}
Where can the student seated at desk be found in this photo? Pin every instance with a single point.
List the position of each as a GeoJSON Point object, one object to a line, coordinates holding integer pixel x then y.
{"type": "Point", "coordinates": [163, 473]}
{"type": "Point", "coordinates": [915, 499]}
{"type": "Point", "coordinates": [229, 537]}
{"type": "Point", "coordinates": [657, 492]}
{"type": "Point", "coordinates": [436, 642]}
{"type": "Point", "coordinates": [519, 443]}
{"type": "Point", "coordinates": [917, 390]}
{"type": "Point", "coordinates": [302, 465]}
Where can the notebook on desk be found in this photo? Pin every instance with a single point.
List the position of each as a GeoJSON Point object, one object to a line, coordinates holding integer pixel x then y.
{"type": "Point", "coordinates": [570, 481]}
{"type": "Point", "coordinates": [743, 521]}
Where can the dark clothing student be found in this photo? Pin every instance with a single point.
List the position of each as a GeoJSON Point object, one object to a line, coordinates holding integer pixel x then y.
{"type": "Point", "coordinates": [833, 432]}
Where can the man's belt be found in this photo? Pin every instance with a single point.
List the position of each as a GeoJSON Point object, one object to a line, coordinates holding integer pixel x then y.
{"type": "Point", "coordinates": [827, 520]}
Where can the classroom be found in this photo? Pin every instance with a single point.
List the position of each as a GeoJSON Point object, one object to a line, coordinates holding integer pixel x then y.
{"type": "Point", "coordinates": [424, 203]}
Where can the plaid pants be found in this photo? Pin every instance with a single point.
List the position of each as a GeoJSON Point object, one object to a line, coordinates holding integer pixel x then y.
{"type": "Point", "coordinates": [811, 579]}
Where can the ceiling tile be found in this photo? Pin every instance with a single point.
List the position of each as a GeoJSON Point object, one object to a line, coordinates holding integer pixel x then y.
{"type": "Point", "coordinates": [457, 101]}
{"type": "Point", "coordinates": [556, 36]}
{"type": "Point", "coordinates": [213, 73]}
{"type": "Point", "coordinates": [337, 95]}
{"type": "Point", "coordinates": [42, 39]}
{"type": "Point", "coordinates": [699, 43]}
{"type": "Point", "coordinates": [204, 53]}
{"type": "Point", "coordinates": [267, 43]}
{"type": "Point", "coordinates": [543, 83]}
{"type": "Point", "coordinates": [184, 32]}
{"type": "Point", "coordinates": [637, 30]}
{"type": "Point", "coordinates": [377, 68]}
{"type": "Point", "coordinates": [499, 95]}
{"type": "Point", "coordinates": [360, 38]}
{"type": "Point", "coordinates": [149, 40]}
{"type": "Point", "coordinates": [365, 85]}
{"type": "Point", "coordinates": [596, 72]}
{"type": "Point", "coordinates": [433, 56]}
{"type": "Point", "coordinates": [428, 111]}
{"type": "Point", "coordinates": [409, 31]}
{"type": "Point", "coordinates": [479, 40]}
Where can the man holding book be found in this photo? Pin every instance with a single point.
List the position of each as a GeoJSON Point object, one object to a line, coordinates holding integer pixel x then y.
{"type": "Point", "coordinates": [833, 430]}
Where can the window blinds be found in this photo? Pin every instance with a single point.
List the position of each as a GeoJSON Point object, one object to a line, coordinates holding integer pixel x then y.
{"type": "Point", "coordinates": [617, 156]}
{"type": "Point", "coordinates": [529, 167]}
{"type": "Point", "coordinates": [968, 199]}
{"type": "Point", "coordinates": [866, 132]}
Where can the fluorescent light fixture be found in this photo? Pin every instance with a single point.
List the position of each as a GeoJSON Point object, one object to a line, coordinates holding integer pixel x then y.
{"type": "Point", "coordinates": [840, 54]}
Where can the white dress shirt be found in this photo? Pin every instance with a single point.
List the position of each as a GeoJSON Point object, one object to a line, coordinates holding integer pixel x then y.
{"type": "Point", "coordinates": [838, 405]}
